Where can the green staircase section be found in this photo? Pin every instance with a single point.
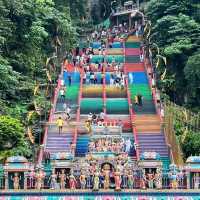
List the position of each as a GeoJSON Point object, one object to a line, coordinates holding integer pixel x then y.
{"type": "Point", "coordinates": [132, 44]}
{"type": "Point", "coordinates": [94, 105]}
{"type": "Point", "coordinates": [117, 106]}
{"type": "Point", "coordinates": [72, 92]}
{"type": "Point", "coordinates": [117, 58]}
{"type": "Point", "coordinates": [109, 59]}
{"type": "Point", "coordinates": [142, 89]}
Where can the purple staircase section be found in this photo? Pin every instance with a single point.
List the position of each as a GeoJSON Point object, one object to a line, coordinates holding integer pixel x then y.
{"type": "Point", "coordinates": [58, 143]}
{"type": "Point", "coordinates": [153, 142]}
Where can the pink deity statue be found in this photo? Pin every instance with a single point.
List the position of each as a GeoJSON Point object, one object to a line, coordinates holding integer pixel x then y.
{"type": "Point", "coordinates": [40, 175]}
{"type": "Point", "coordinates": [72, 181]}
{"type": "Point", "coordinates": [62, 177]}
{"type": "Point", "coordinates": [16, 180]}
{"type": "Point", "coordinates": [117, 177]}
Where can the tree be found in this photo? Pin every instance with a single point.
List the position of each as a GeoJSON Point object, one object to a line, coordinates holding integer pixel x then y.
{"type": "Point", "coordinates": [191, 145]}
{"type": "Point", "coordinates": [12, 137]}
{"type": "Point", "coordinates": [176, 31]}
{"type": "Point", "coordinates": [192, 75]}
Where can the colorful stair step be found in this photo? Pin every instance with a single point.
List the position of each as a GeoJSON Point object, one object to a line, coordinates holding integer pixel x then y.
{"type": "Point", "coordinates": [132, 45]}
{"type": "Point", "coordinates": [137, 78]}
{"type": "Point", "coordinates": [132, 59]}
{"type": "Point", "coordinates": [94, 105]}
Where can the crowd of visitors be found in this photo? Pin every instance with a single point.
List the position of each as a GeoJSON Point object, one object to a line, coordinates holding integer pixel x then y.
{"type": "Point", "coordinates": [110, 144]}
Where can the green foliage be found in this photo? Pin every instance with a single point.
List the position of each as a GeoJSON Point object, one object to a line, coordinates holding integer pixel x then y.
{"type": "Point", "coordinates": [191, 144]}
{"type": "Point", "coordinates": [192, 75]}
{"type": "Point", "coordinates": [12, 138]}
{"type": "Point", "coordinates": [176, 30]}
{"type": "Point", "coordinates": [30, 32]}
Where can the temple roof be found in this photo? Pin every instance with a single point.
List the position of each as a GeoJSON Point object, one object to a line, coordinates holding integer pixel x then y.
{"type": "Point", "coordinates": [16, 159]}
{"type": "Point", "coordinates": [193, 159]}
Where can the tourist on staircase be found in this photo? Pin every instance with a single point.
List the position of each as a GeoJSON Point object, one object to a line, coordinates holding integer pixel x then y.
{"type": "Point", "coordinates": [60, 123]}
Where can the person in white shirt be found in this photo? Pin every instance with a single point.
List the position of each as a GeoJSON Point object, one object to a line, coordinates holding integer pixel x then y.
{"type": "Point", "coordinates": [102, 116]}
{"type": "Point", "coordinates": [68, 110]}
{"type": "Point", "coordinates": [62, 94]}
{"type": "Point", "coordinates": [62, 82]}
{"type": "Point", "coordinates": [90, 117]}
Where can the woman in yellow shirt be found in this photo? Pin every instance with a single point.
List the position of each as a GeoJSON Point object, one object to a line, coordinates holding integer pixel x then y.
{"type": "Point", "coordinates": [60, 123]}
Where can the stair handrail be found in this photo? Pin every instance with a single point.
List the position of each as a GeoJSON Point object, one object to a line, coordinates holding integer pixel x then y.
{"type": "Point", "coordinates": [158, 111]}
{"type": "Point", "coordinates": [132, 114]}
{"type": "Point", "coordinates": [78, 111]}
{"type": "Point", "coordinates": [104, 87]}
{"type": "Point", "coordinates": [52, 111]}
{"type": "Point", "coordinates": [153, 89]}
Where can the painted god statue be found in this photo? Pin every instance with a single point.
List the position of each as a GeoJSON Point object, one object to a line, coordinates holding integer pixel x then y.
{"type": "Point", "coordinates": [96, 181]}
{"type": "Point", "coordinates": [117, 177]}
{"type": "Point", "coordinates": [106, 172]}
{"type": "Point", "coordinates": [16, 180]}
{"type": "Point", "coordinates": [158, 178]}
{"type": "Point", "coordinates": [130, 179]}
{"type": "Point", "coordinates": [150, 179]}
{"type": "Point", "coordinates": [173, 175]}
{"type": "Point", "coordinates": [196, 181]}
{"type": "Point", "coordinates": [62, 177]}
{"type": "Point", "coordinates": [53, 180]}
{"type": "Point", "coordinates": [143, 180]}
{"type": "Point", "coordinates": [72, 180]}
{"type": "Point", "coordinates": [40, 175]}
{"type": "Point", "coordinates": [82, 180]}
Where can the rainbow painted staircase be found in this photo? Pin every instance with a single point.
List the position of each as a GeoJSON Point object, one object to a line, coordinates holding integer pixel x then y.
{"type": "Point", "coordinates": [140, 123]}
{"type": "Point", "coordinates": [149, 135]}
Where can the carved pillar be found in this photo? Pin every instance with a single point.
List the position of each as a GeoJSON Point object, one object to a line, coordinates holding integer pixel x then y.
{"type": "Point", "coordinates": [188, 180]}
{"type": "Point", "coordinates": [25, 180]}
{"type": "Point", "coordinates": [6, 180]}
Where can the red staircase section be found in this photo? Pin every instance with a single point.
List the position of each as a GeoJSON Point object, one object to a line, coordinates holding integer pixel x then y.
{"type": "Point", "coordinates": [132, 52]}
{"type": "Point", "coordinates": [136, 67]}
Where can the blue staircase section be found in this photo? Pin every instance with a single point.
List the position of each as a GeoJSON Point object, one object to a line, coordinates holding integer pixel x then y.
{"type": "Point", "coordinates": [75, 76]}
{"type": "Point", "coordinates": [96, 45]}
{"type": "Point", "coordinates": [117, 45]}
{"type": "Point", "coordinates": [138, 78]}
{"type": "Point", "coordinates": [82, 145]}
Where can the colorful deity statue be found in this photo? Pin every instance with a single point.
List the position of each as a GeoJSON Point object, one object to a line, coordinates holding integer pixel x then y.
{"type": "Point", "coordinates": [130, 179]}
{"type": "Point", "coordinates": [196, 181]}
{"type": "Point", "coordinates": [180, 177]}
{"type": "Point", "coordinates": [106, 172]}
{"type": "Point", "coordinates": [173, 174]}
{"type": "Point", "coordinates": [124, 176]}
{"type": "Point", "coordinates": [40, 175]}
{"type": "Point", "coordinates": [143, 180]}
{"type": "Point", "coordinates": [53, 179]}
{"type": "Point", "coordinates": [82, 180]}
{"type": "Point", "coordinates": [72, 180]}
{"type": "Point", "coordinates": [31, 176]}
{"type": "Point", "coordinates": [158, 178]}
{"type": "Point", "coordinates": [96, 181]}
{"type": "Point", "coordinates": [16, 180]}
{"type": "Point", "coordinates": [88, 179]}
{"type": "Point", "coordinates": [62, 177]}
{"type": "Point", "coordinates": [117, 177]}
{"type": "Point", "coordinates": [150, 179]}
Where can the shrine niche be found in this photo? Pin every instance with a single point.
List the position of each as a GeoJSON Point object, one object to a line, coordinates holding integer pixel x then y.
{"type": "Point", "coordinates": [151, 170]}
{"type": "Point", "coordinates": [192, 169]}
{"type": "Point", "coordinates": [16, 170]}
